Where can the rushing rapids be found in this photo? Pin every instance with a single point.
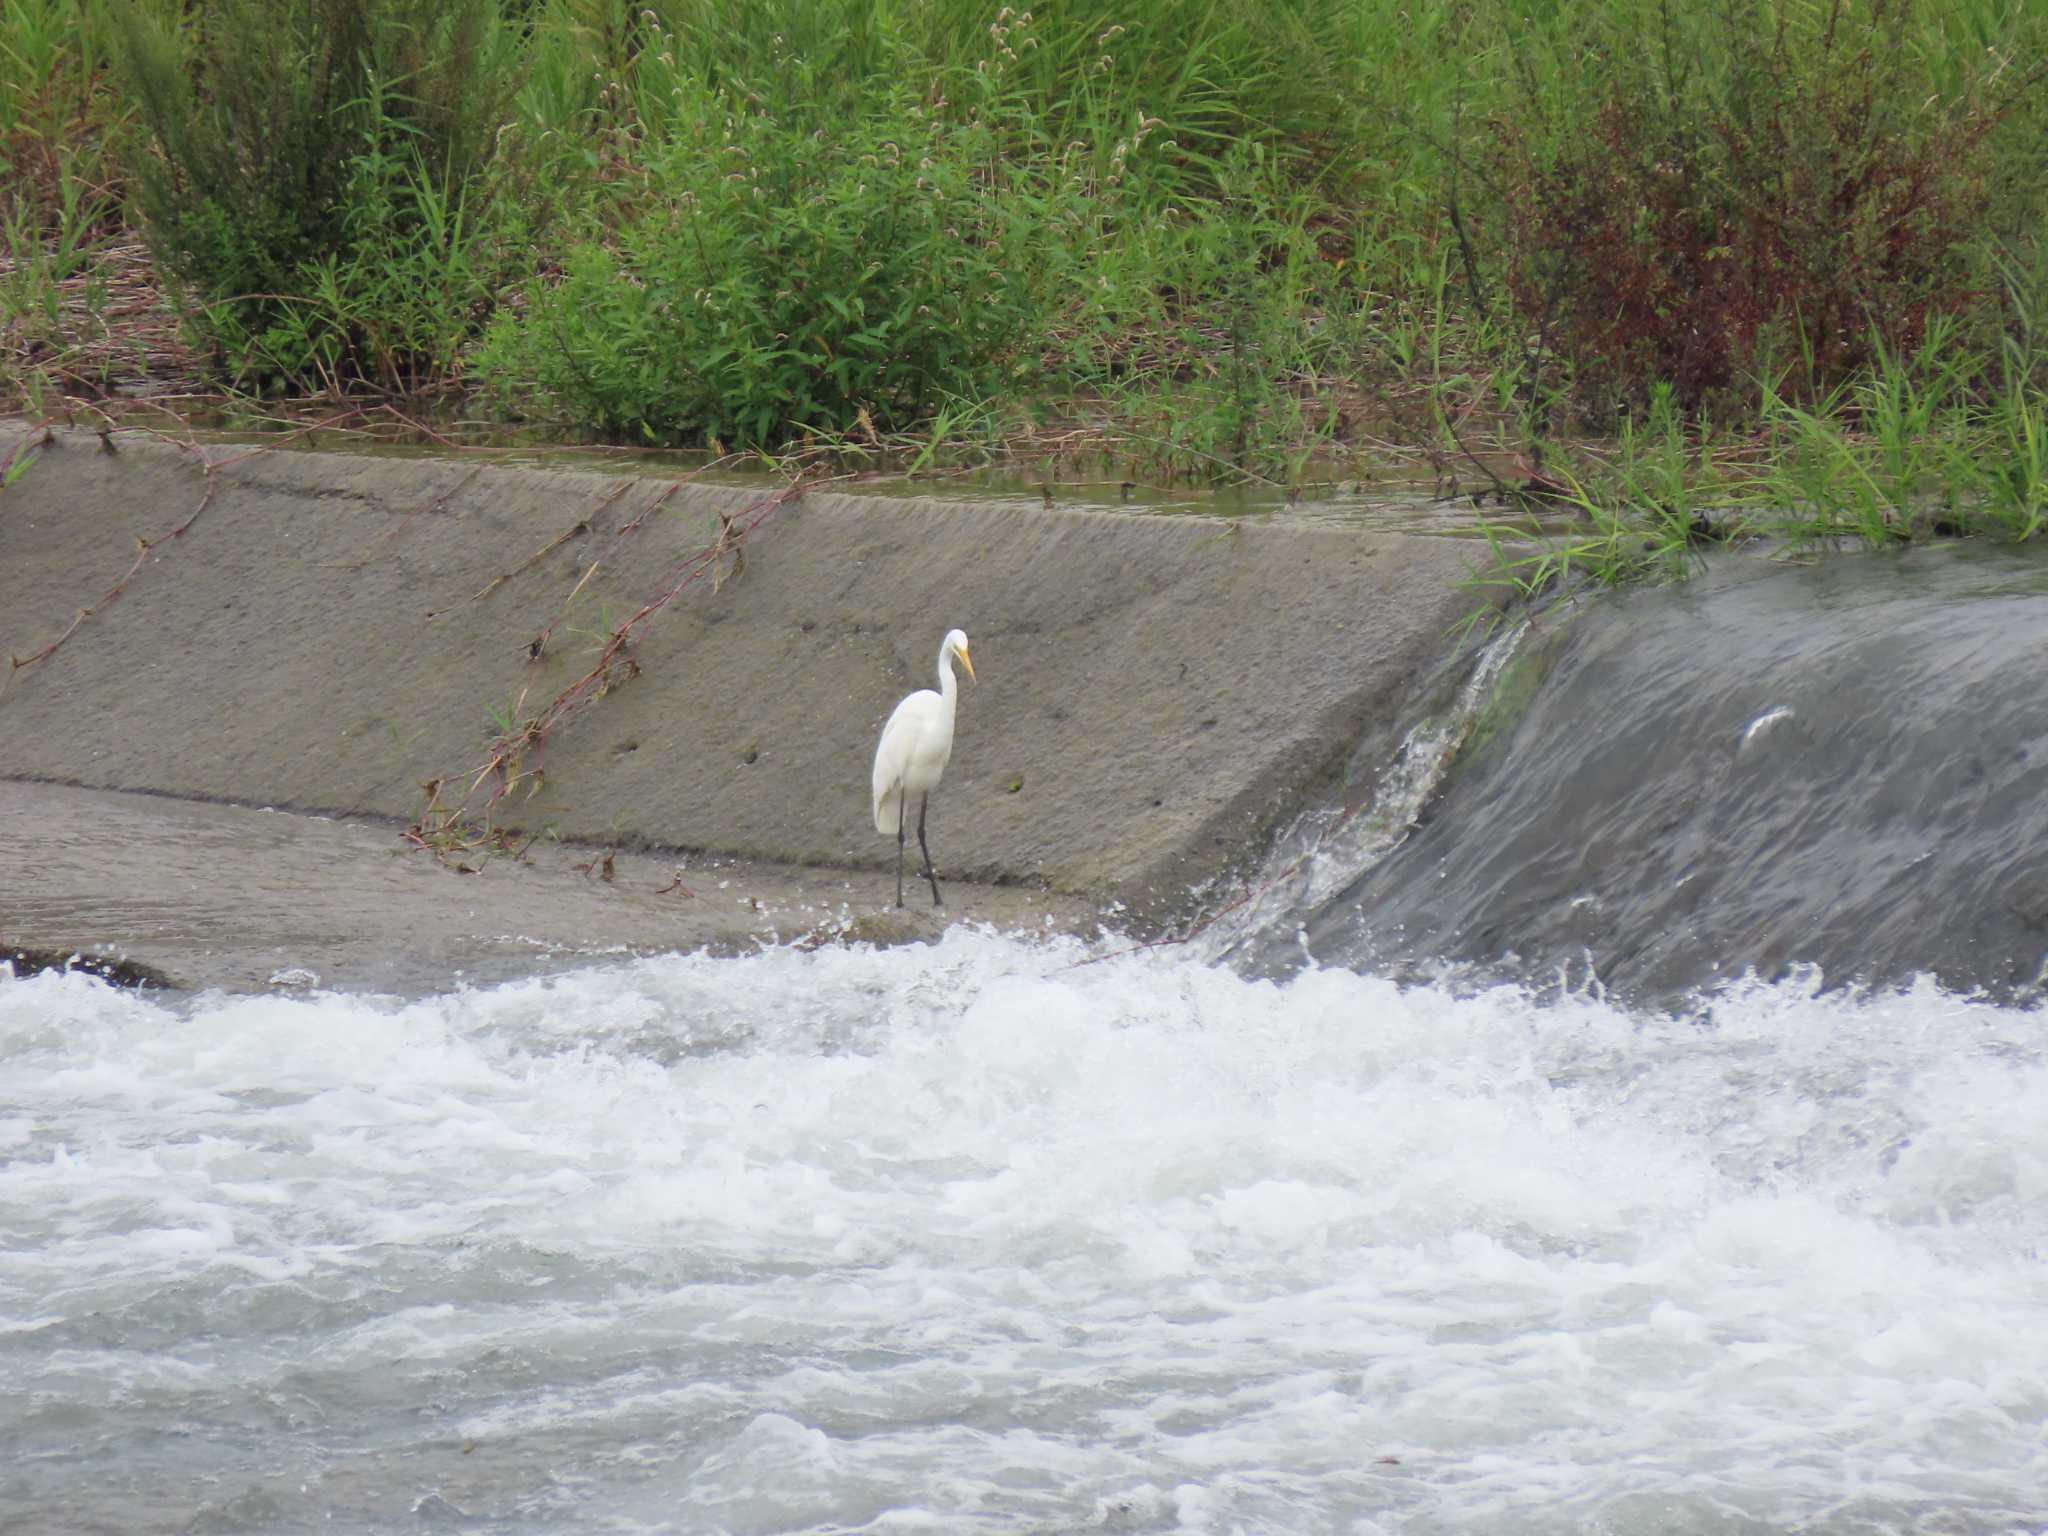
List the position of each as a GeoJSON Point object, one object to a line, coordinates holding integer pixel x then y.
{"type": "Point", "coordinates": [973, 1237]}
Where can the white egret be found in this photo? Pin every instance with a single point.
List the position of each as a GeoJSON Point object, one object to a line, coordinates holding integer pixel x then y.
{"type": "Point", "coordinates": [915, 745]}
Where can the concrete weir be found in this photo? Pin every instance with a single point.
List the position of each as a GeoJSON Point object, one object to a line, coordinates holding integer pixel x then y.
{"type": "Point", "coordinates": [1157, 693]}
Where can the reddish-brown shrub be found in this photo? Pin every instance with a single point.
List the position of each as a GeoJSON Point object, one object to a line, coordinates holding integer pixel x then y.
{"type": "Point", "coordinates": [1807, 204]}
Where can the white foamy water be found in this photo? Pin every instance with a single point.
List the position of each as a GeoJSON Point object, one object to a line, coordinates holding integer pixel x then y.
{"type": "Point", "coordinates": [961, 1238]}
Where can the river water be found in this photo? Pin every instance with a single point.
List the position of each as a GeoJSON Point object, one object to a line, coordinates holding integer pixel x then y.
{"type": "Point", "coordinates": [1837, 762]}
{"type": "Point", "coordinates": [1009, 1235]}
{"type": "Point", "coordinates": [972, 1236]}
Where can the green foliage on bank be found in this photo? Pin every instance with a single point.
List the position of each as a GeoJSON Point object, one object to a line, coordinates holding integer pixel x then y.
{"type": "Point", "coordinates": [314, 177]}
{"type": "Point", "coordinates": [1230, 238]}
{"type": "Point", "coordinates": [757, 276]}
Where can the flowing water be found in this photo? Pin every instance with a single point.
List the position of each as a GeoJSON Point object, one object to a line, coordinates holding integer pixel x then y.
{"type": "Point", "coordinates": [1841, 763]}
{"type": "Point", "coordinates": [968, 1237]}
{"type": "Point", "coordinates": [1008, 1235]}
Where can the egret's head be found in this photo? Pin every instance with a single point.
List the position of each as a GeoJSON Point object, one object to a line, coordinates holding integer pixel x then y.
{"type": "Point", "coordinates": [956, 645]}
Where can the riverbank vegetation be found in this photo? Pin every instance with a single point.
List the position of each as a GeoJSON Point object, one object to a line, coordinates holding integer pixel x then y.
{"type": "Point", "coordinates": [1681, 272]}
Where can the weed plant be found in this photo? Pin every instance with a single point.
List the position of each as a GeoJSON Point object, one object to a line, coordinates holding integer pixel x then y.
{"type": "Point", "coordinates": [60, 194]}
{"type": "Point", "coordinates": [314, 178]}
{"type": "Point", "coordinates": [1903, 452]}
{"type": "Point", "coordinates": [765, 277]}
{"type": "Point", "coordinates": [1686, 272]}
{"type": "Point", "coordinates": [57, 120]}
{"type": "Point", "coordinates": [1766, 193]}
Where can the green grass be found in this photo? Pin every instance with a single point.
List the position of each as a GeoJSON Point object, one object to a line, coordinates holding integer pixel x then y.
{"type": "Point", "coordinates": [60, 195]}
{"type": "Point", "coordinates": [1772, 269]}
{"type": "Point", "coordinates": [1904, 452]}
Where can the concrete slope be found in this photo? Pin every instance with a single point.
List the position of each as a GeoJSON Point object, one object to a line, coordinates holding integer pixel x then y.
{"type": "Point", "coordinates": [1155, 694]}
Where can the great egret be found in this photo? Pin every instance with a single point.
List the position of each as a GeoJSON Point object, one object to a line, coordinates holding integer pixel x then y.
{"type": "Point", "coordinates": [915, 745]}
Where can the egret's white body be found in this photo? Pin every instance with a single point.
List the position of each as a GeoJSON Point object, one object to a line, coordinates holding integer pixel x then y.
{"type": "Point", "coordinates": [915, 746]}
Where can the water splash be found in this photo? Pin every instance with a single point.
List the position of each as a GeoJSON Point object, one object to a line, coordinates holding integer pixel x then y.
{"type": "Point", "coordinates": [962, 1237]}
{"type": "Point", "coordinates": [1332, 846]}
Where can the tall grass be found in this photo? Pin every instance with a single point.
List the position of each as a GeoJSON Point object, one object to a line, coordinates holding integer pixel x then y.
{"type": "Point", "coordinates": [1905, 451]}
{"type": "Point", "coordinates": [62, 185]}
{"type": "Point", "coordinates": [312, 173]}
{"type": "Point", "coordinates": [1230, 237]}
{"type": "Point", "coordinates": [57, 116]}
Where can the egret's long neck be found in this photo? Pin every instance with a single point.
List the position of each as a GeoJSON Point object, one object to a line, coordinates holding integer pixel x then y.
{"type": "Point", "coordinates": [948, 684]}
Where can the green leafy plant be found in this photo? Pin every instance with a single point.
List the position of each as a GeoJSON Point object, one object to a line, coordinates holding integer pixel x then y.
{"type": "Point", "coordinates": [42, 257]}
{"type": "Point", "coordinates": [767, 279]}
{"type": "Point", "coordinates": [305, 159]}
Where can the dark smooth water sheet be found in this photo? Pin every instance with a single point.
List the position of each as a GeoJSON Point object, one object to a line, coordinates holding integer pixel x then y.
{"type": "Point", "coordinates": [1836, 763]}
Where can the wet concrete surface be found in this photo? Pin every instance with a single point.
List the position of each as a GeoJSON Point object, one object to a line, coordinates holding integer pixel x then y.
{"type": "Point", "coordinates": [1158, 693]}
{"type": "Point", "coordinates": [197, 895]}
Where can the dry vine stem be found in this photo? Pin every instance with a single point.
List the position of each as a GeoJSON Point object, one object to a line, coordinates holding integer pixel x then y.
{"type": "Point", "coordinates": [537, 647]}
{"type": "Point", "coordinates": [211, 469]}
{"type": "Point", "coordinates": [576, 530]}
{"type": "Point", "coordinates": [506, 768]}
{"type": "Point", "coordinates": [432, 504]}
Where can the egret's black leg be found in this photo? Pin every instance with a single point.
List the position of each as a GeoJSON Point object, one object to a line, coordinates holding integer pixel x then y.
{"type": "Point", "coordinates": [923, 805]}
{"type": "Point", "coordinates": [902, 812]}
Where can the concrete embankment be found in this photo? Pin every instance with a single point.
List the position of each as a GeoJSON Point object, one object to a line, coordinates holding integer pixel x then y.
{"type": "Point", "coordinates": [1156, 694]}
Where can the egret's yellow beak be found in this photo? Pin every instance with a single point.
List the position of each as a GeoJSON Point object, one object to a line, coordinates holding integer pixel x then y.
{"type": "Point", "coordinates": [967, 662]}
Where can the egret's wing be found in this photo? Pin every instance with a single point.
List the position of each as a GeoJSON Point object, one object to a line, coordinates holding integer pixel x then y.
{"type": "Point", "coordinates": [892, 758]}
